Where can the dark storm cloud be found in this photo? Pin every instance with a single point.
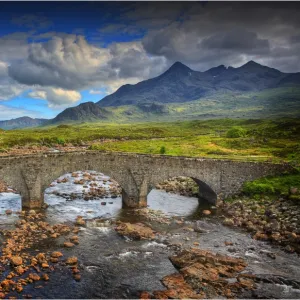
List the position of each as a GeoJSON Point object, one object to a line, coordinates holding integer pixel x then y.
{"type": "Point", "coordinates": [230, 33]}
{"type": "Point", "coordinates": [238, 40]}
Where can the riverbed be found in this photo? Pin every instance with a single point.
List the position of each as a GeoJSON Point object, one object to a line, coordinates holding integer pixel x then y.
{"type": "Point", "coordinates": [113, 266]}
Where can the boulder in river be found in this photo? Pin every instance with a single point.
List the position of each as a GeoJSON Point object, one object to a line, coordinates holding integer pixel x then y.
{"type": "Point", "coordinates": [136, 231]}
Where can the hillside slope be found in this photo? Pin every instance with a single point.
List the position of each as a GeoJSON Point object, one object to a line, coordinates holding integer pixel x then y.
{"type": "Point", "coordinates": [85, 112]}
{"type": "Point", "coordinates": [181, 84]}
{"type": "Point", "coordinates": [22, 122]}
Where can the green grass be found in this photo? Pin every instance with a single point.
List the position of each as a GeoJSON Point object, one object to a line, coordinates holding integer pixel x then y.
{"type": "Point", "coordinates": [273, 140]}
{"type": "Point", "coordinates": [278, 185]}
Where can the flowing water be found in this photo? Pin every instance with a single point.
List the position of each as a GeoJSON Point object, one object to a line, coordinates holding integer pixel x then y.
{"type": "Point", "coordinates": [116, 267]}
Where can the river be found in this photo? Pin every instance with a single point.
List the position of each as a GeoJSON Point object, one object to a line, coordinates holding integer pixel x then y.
{"type": "Point", "coordinates": [116, 267]}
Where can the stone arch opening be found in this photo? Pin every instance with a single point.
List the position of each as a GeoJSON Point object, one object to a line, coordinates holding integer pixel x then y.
{"type": "Point", "coordinates": [10, 199]}
{"type": "Point", "coordinates": [189, 186]}
{"type": "Point", "coordinates": [88, 193]}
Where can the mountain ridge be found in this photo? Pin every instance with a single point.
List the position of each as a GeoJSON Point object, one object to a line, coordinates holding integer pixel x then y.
{"type": "Point", "coordinates": [182, 84]}
{"type": "Point", "coordinates": [87, 111]}
{"type": "Point", "coordinates": [183, 93]}
{"type": "Point", "coordinates": [22, 122]}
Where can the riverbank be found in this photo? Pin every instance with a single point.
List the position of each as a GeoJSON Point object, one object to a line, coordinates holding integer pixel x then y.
{"type": "Point", "coordinates": [270, 218]}
{"type": "Point", "coordinates": [115, 262]}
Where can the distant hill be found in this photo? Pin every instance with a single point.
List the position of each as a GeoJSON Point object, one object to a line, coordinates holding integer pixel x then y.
{"type": "Point", "coordinates": [181, 84]}
{"type": "Point", "coordinates": [22, 122]}
{"type": "Point", "coordinates": [85, 112]}
{"type": "Point", "coordinates": [250, 91]}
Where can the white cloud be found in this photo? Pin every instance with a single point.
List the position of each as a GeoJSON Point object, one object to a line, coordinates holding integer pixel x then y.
{"type": "Point", "coordinates": [56, 97]}
{"type": "Point", "coordinates": [7, 112]}
{"type": "Point", "coordinates": [71, 63]}
{"type": "Point", "coordinates": [38, 95]}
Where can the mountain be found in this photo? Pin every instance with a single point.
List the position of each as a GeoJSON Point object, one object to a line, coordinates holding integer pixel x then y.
{"type": "Point", "coordinates": [22, 122]}
{"type": "Point", "coordinates": [182, 84]}
{"type": "Point", "coordinates": [85, 112]}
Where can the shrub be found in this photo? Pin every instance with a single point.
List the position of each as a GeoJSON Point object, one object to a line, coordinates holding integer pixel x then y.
{"type": "Point", "coordinates": [236, 132]}
{"type": "Point", "coordinates": [60, 141]}
{"type": "Point", "coordinates": [162, 150]}
{"type": "Point", "coordinates": [63, 126]}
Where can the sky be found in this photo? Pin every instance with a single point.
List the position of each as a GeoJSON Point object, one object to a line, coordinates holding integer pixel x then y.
{"type": "Point", "coordinates": [55, 55]}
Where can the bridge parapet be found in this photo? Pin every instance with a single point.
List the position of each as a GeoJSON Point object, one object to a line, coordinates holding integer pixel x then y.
{"type": "Point", "coordinates": [137, 174]}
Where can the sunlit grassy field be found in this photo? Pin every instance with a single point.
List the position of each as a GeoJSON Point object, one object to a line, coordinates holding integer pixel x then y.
{"type": "Point", "coordinates": [257, 139]}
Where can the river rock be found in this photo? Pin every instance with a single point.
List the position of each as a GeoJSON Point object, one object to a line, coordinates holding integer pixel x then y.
{"type": "Point", "coordinates": [80, 221]}
{"type": "Point", "coordinates": [68, 244]}
{"type": "Point", "coordinates": [56, 254]}
{"type": "Point", "coordinates": [202, 227]}
{"type": "Point", "coordinates": [34, 276]}
{"type": "Point", "coordinates": [16, 260]}
{"type": "Point", "coordinates": [201, 275]}
{"type": "Point", "coordinates": [228, 222]}
{"type": "Point", "coordinates": [206, 212]}
{"type": "Point", "coordinates": [136, 231]}
{"type": "Point", "coordinates": [72, 260]}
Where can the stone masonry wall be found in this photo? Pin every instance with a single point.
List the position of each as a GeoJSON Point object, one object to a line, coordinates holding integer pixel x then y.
{"type": "Point", "coordinates": [136, 173]}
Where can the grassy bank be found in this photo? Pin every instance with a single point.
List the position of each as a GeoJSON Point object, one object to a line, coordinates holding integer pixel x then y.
{"type": "Point", "coordinates": [225, 138]}
{"type": "Point", "coordinates": [279, 185]}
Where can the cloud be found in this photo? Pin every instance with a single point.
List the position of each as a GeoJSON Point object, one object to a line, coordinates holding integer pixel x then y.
{"type": "Point", "coordinates": [8, 112]}
{"type": "Point", "coordinates": [227, 33]}
{"type": "Point", "coordinates": [14, 46]}
{"type": "Point", "coordinates": [69, 62]}
{"type": "Point", "coordinates": [38, 95]}
{"type": "Point", "coordinates": [8, 87]}
{"type": "Point", "coordinates": [237, 40]}
{"type": "Point", "coordinates": [56, 97]}
{"type": "Point", "coordinates": [127, 29]}
{"type": "Point", "coordinates": [199, 34]}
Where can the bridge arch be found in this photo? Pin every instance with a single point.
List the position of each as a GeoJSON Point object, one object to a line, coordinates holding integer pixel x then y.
{"type": "Point", "coordinates": [137, 174]}
{"type": "Point", "coordinates": [205, 191]}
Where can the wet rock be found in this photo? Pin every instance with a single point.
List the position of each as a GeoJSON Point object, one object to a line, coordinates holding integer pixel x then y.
{"type": "Point", "coordinates": [145, 295]}
{"type": "Point", "coordinates": [202, 227]}
{"type": "Point", "coordinates": [289, 249]}
{"type": "Point", "coordinates": [20, 270]}
{"type": "Point", "coordinates": [16, 260]}
{"type": "Point", "coordinates": [8, 211]}
{"type": "Point", "coordinates": [45, 277]}
{"type": "Point", "coordinates": [271, 255]}
{"type": "Point", "coordinates": [45, 265]}
{"type": "Point", "coordinates": [228, 222]}
{"type": "Point", "coordinates": [72, 260]}
{"type": "Point", "coordinates": [80, 221]}
{"type": "Point", "coordinates": [227, 243]}
{"type": "Point", "coordinates": [203, 274]}
{"type": "Point", "coordinates": [74, 239]}
{"type": "Point", "coordinates": [260, 236]}
{"type": "Point", "coordinates": [32, 212]}
{"type": "Point", "coordinates": [206, 212]}
{"type": "Point", "coordinates": [135, 231]}
{"type": "Point", "coordinates": [68, 244]}
{"type": "Point", "coordinates": [34, 277]}
{"type": "Point", "coordinates": [54, 259]}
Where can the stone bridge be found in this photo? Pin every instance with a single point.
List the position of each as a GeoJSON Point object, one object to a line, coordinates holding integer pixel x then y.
{"type": "Point", "coordinates": [137, 174]}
